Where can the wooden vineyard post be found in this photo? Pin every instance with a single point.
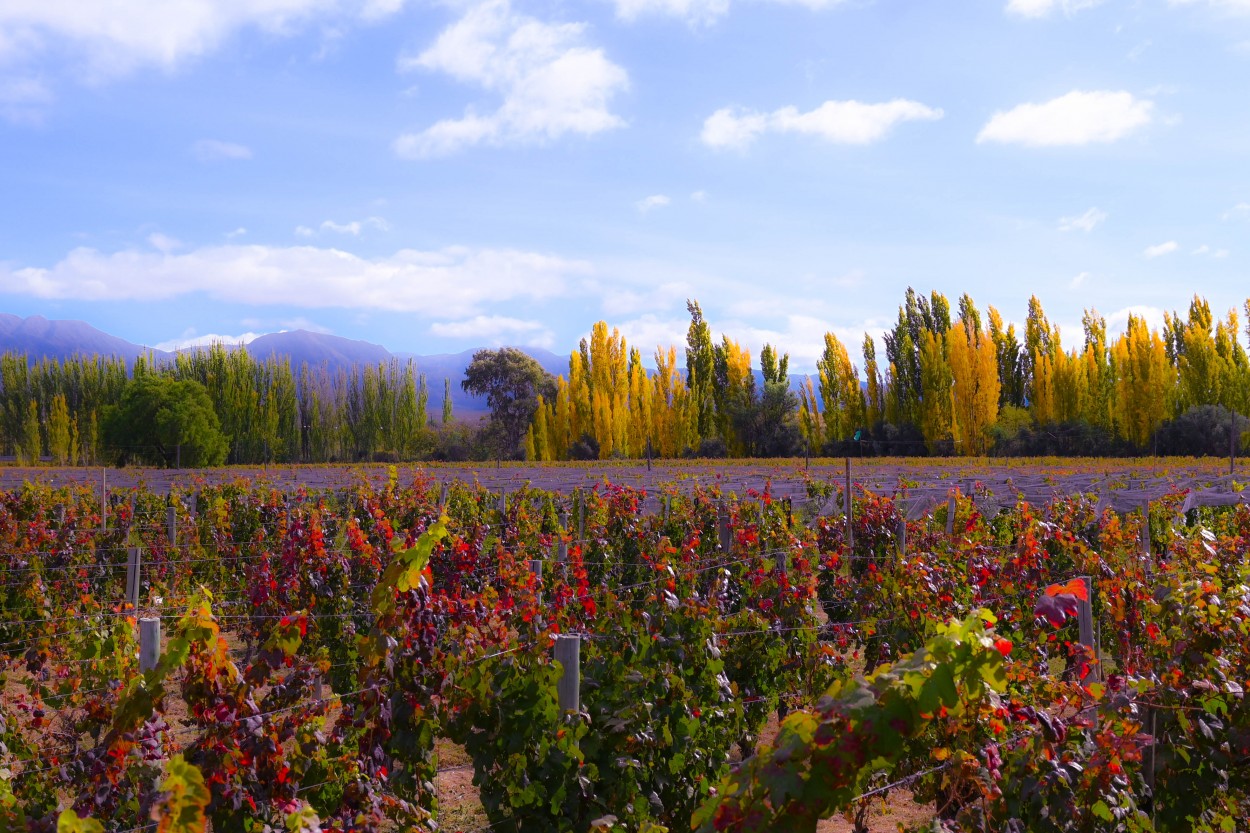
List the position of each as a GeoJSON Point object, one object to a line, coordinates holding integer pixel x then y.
{"type": "Point", "coordinates": [503, 507]}
{"type": "Point", "coordinates": [648, 454]}
{"type": "Point", "coordinates": [581, 515]}
{"type": "Point", "coordinates": [195, 501]}
{"type": "Point", "coordinates": [134, 568]}
{"type": "Point", "coordinates": [789, 505]}
{"type": "Point", "coordinates": [149, 642]}
{"type": "Point", "coordinates": [950, 516]}
{"type": "Point", "coordinates": [722, 528]}
{"type": "Point", "coordinates": [568, 651]}
{"type": "Point", "coordinates": [104, 499]}
{"type": "Point", "coordinates": [442, 499]}
{"type": "Point", "coordinates": [1145, 536]}
{"type": "Point", "coordinates": [902, 538]}
{"type": "Point", "coordinates": [536, 567]}
{"type": "Point", "coordinates": [1232, 442]}
{"type": "Point", "coordinates": [171, 523]}
{"type": "Point", "coordinates": [1085, 625]}
{"type": "Point", "coordinates": [850, 514]}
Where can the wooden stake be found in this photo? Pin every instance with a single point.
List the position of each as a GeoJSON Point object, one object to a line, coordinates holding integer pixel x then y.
{"type": "Point", "coordinates": [722, 526]}
{"type": "Point", "coordinates": [568, 690]}
{"type": "Point", "coordinates": [149, 642]}
{"type": "Point", "coordinates": [171, 522]}
{"type": "Point", "coordinates": [902, 537]}
{"type": "Point", "coordinates": [104, 499]}
{"type": "Point", "coordinates": [950, 516]}
{"type": "Point", "coordinates": [134, 569]}
{"type": "Point", "coordinates": [846, 497]}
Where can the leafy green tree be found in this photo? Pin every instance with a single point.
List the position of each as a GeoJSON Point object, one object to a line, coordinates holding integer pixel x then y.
{"type": "Point", "coordinates": [60, 441]}
{"type": "Point", "coordinates": [511, 381]}
{"type": "Point", "coordinates": [29, 446]}
{"type": "Point", "coordinates": [699, 368]}
{"type": "Point", "coordinates": [164, 422]}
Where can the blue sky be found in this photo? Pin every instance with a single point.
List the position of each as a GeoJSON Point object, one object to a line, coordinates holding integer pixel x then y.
{"type": "Point", "coordinates": [438, 176]}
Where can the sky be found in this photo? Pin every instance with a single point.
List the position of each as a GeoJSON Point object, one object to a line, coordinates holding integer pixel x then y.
{"type": "Point", "coordinates": [438, 176]}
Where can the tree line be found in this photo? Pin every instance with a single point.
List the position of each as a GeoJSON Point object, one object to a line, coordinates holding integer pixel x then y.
{"type": "Point", "coordinates": [214, 406]}
{"type": "Point", "coordinates": [951, 382]}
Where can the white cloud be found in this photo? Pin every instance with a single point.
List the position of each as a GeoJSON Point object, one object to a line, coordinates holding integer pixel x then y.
{"type": "Point", "coordinates": [1161, 249]}
{"type": "Point", "coordinates": [1085, 222]}
{"type": "Point", "coordinates": [551, 83]}
{"type": "Point", "coordinates": [698, 11]}
{"type": "Point", "coordinates": [651, 202]}
{"type": "Point", "coordinates": [616, 300]}
{"type": "Point", "coordinates": [24, 100]}
{"type": "Point", "coordinates": [496, 330]}
{"type": "Point", "coordinates": [163, 242]}
{"type": "Point", "coordinates": [698, 196]}
{"type": "Point", "coordinates": [693, 11]}
{"type": "Point", "coordinates": [1240, 211]}
{"type": "Point", "coordinates": [304, 231]}
{"type": "Point", "coordinates": [1206, 251]}
{"type": "Point", "coordinates": [1079, 280]}
{"type": "Point", "coordinates": [446, 283]}
{"type": "Point", "coordinates": [213, 150]}
{"type": "Point", "coordinates": [1233, 6]}
{"type": "Point", "coordinates": [649, 331]}
{"type": "Point", "coordinates": [1044, 8]}
{"type": "Point", "coordinates": [1078, 118]}
{"type": "Point", "coordinates": [239, 232]}
{"type": "Point", "coordinates": [841, 122]}
{"type": "Point", "coordinates": [190, 339]}
{"type": "Point", "coordinates": [1117, 322]}
{"type": "Point", "coordinates": [354, 227]}
{"type": "Point", "coordinates": [108, 38]}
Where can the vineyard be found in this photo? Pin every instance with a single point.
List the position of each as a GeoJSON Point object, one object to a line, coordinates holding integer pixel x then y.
{"type": "Point", "coordinates": [248, 655]}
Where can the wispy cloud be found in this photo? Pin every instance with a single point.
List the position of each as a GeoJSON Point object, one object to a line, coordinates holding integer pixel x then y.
{"type": "Point", "coordinates": [1078, 281]}
{"type": "Point", "coordinates": [496, 330]}
{"type": "Point", "coordinates": [1084, 222]}
{"type": "Point", "coordinates": [189, 339]}
{"type": "Point", "coordinates": [550, 81]}
{"type": "Point", "coordinates": [354, 227]}
{"type": "Point", "coordinates": [24, 100]}
{"type": "Point", "coordinates": [1078, 118]}
{"type": "Point", "coordinates": [652, 202]}
{"type": "Point", "coordinates": [114, 38]}
{"type": "Point", "coordinates": [163, 242]}
{"type": "Point", "coordinates": [840, 122]}
{"type": "Point", "coordinates": [1161, 249]}
{"type": "Point", "coordinates": [215, 150]}
{"type": "Point", "coordinates": [446, 283]}
{"type": "Point", "coordinates": [1045, 8]}
{"type": "Point", "coordinates": [1240, 211]}
{"type": "Point", "coordinates": [698, 12]}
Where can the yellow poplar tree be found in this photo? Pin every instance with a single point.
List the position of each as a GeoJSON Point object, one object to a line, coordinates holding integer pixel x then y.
{"type": "Point", "coordinates": [937, 412]}
{"type": "Point", "coordinates": [974, 370]}
{"type": "Point", "coordinates": [1145, 384]}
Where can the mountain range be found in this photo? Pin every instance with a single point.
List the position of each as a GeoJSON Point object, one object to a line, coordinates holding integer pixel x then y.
{"type": "Point", "coordinates": [39, 338]}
